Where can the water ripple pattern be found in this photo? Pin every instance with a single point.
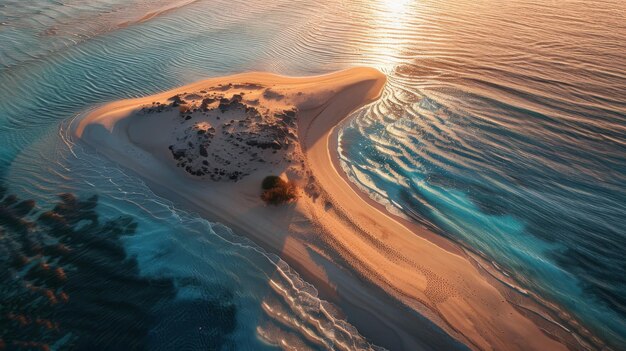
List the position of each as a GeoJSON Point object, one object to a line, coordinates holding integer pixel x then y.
{"type": "Point", "coordinates": [502, 127]}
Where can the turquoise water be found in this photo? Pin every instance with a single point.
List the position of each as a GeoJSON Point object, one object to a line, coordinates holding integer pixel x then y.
{"type": "Point", "coordinates": [502, 127]}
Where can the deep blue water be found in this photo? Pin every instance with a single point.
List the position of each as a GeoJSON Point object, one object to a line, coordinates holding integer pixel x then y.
{"type": "Point", "coordinates": [503, 127]}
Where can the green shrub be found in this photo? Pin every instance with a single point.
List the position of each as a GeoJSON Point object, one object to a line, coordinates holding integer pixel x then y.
{"type": "Point", "coordinates": [276, 191]}
{"type": "Point", "coordinates": [271, 182]}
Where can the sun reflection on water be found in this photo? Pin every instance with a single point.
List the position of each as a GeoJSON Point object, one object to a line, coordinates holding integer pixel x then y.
{"type": "Point", "coordinates": [389, 17]}
{"type": "Point", "coordinates": [395, 5]}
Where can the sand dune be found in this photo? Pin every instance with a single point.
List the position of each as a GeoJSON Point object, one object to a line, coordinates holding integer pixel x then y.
{"type": "Point", "coordinates": [210, 152]}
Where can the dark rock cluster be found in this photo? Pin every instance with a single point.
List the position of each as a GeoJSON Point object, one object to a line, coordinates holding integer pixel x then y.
{"type": "Point", "coordinates": [197, 141]}
{"type": "Point", "coordinates": [232, 103]}
{"type": "Point", "coordinates": [227, 151]}
{"type": "Point", "coordinates": [157, 107]}
{"type": "Point", "coordinates": [176, 100]}
{"type": "Point", "coordinates": [69, 284]}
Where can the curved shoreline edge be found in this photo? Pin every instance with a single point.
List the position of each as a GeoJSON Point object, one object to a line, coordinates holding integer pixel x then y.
{"type": "Point", "coordinates": [334, 235]}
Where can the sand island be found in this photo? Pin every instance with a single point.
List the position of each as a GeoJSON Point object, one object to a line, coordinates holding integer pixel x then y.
{"type": "Point", "coordinates": [209, 145]}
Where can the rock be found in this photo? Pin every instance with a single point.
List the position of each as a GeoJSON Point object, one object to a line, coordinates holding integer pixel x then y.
{"type": "Point", "coordinates": [270, 94]}
{"type": "Point", "coordinates": [233, 103]}
{"type": "Point", "coordinates": [205, 103]}
{"type": "Point", "coordinates": [176, 100]}
{"type": "Point", "coordinates": [274, 144]}
{"type": "Point", "coordinates": [236, 98]}
{"type": "Point", "coordinates": [178, 154]}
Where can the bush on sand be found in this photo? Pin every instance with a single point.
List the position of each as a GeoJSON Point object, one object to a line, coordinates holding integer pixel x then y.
{"type": "Point", "coordinates": [277, 191]}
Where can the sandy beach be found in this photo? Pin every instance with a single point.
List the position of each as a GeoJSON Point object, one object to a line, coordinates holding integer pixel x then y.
{"type": "Point", "coordinates": [208, 146]}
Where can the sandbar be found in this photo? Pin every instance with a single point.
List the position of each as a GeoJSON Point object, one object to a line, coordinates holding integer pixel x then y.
{"type": "Point", "coordinates": [208, 146]}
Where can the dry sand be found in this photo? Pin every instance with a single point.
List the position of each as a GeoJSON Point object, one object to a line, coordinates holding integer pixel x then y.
{"type": "Point", "coordinates": [334, 235]}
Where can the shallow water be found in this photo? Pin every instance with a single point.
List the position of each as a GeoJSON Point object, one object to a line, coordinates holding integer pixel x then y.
{"type": "Point", "coordinates": [502, 127]}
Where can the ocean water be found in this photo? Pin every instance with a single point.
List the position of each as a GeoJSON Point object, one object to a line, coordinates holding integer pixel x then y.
{"type": "Point", "coordinates": [503, 127]}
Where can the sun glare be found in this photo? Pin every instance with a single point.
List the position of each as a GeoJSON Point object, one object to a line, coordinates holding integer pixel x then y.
{"type": "Point", "coordinates": [396, 5]}
{"type": "Point", "coordinates": [388, 19]}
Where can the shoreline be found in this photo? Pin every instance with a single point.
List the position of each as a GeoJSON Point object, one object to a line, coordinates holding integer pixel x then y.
{"type": "Point", "coordinates": [361, 243]}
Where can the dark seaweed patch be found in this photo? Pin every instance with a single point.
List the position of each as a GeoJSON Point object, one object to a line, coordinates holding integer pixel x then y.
{"type": "Point", "coordinates": [67, 281]}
